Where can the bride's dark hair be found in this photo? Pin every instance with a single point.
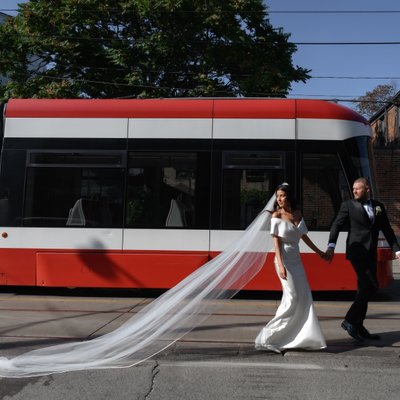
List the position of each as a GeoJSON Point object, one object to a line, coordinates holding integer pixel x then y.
{"type": "Point", "coordinates": [286, 188]}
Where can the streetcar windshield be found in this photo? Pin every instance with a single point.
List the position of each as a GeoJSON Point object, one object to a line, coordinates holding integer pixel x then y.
{"type": "Point", "coordinates": [359, 155]}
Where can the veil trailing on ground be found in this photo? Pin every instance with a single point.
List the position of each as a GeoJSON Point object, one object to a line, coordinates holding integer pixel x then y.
{"type": "Point", "coordinates": [162, 322]}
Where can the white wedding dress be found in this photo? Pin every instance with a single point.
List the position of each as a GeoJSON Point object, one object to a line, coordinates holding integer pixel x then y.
{"type": "Point", "coordinates": [295, 324]}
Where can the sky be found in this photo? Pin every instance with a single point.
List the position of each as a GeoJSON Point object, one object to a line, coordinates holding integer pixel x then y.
{"type": "Point", "coordinates": [340, 61]}
{"type": "Point", "coordinates": [342, 72]}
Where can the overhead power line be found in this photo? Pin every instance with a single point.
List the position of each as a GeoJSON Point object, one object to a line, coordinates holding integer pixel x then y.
{"type": "Point", "coordinates": [206, 9]}
{"type": "Point", "coordinates": [260, 43]}
{"type": "Point", "coordinates": [333, 11]}
{"type": "Point", "coordinates": [328, 97]}
{"type": "Point", "coordinates": [355, 77]}
{"type": "Point", "coordinates": [344, 43]}
{"type": "Point", "coordinates": [128, 70]}
{"type": "Point", "coordinates": [171, 72]}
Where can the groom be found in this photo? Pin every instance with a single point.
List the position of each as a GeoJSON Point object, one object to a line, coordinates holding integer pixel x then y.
{"type": "Point", "coordinates": [363, 218]}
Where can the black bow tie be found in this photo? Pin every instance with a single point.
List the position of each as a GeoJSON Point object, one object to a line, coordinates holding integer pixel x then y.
{"type": "Point", "coordinates": [366, 203]}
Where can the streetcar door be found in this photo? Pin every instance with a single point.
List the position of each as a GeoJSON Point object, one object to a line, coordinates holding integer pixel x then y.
{"type": "Point", "coordinates": [166, 235]}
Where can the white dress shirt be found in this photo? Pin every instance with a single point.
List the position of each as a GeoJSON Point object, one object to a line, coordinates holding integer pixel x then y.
{"type": "Point", "coordinates": [369, 209]}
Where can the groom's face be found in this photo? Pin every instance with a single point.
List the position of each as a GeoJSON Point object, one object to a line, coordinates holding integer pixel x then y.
{"type": "Point", "coordinates": [360, 191]}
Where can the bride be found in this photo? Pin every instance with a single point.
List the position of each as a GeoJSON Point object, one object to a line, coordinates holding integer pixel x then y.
{"type": "Point", "coordinates": [295, 324]}
{"type": "Point", "coordinates": [165, 320]}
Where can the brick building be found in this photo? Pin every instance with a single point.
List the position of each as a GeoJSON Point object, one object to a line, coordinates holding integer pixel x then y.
{"type": "Point", "coordinates": [385, 126]}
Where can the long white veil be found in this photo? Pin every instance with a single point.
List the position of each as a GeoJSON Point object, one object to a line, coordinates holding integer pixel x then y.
{"type": "Point", "coordinates": [164, 320]}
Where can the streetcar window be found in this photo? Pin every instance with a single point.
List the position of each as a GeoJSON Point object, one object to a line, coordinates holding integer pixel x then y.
{"type": "Point", "coordinates": [249, 180]}
{"type": "Point", "coordinates": [12, 186]}
{"type": "Point", "coordinates": [324, 188]}
{"type": "Point", "coordinates": [76, 195]}
{"type": "Point", "coordinates": [73, 158]}
{"type": "Point", "coordinates": [253, 159]}
{"type": "Point", "coordinates": [168, 190]}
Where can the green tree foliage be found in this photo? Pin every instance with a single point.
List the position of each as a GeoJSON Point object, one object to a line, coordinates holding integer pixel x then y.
{"type": "Point", "coordinates": [373, 101]}
{"type": "Point", "coordinates": [145, 48]}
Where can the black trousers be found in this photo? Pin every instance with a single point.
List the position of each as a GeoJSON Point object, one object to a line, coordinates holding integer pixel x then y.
{"type": "Point", "coordinates": [367, 286]}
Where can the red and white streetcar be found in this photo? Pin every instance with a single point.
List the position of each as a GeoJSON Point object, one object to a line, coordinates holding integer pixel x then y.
{"type": "Point", "coordinates": [140, 193]}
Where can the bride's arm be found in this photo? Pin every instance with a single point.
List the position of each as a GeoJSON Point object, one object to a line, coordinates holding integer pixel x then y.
{"type": "Point", "coordinates": [307, 240]}
{"type": "Point", "coordinates": [312, 246]}
{"type": "Point", "coordinates": [278, 254]}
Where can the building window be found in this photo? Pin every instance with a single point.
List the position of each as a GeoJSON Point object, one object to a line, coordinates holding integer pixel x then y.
{"type": "Point", "coordinates": [381, 131]}
{"type": "Point", "coordinates": [397, 133]}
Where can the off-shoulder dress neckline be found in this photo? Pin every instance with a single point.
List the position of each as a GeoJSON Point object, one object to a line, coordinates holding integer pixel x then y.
{"type": "Point", "coordinates": [289, 222]}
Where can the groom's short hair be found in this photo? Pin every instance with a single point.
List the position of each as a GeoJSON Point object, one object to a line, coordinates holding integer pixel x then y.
{"type": "Point", "coordinates": [364, 181]}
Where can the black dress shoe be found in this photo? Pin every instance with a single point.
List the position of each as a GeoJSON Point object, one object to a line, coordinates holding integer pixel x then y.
{"type": "Point", "coordinates": [352, 330]}
{"type": "Point", "coordinates": [362, 330]}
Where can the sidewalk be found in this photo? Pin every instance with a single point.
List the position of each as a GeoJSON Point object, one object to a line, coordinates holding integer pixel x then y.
{"type": "Point", "coordinates": [30, 321]}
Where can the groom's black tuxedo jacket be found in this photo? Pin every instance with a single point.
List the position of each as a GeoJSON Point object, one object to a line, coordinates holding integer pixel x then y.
{"type": "Point", "coordinates": [362, 239]}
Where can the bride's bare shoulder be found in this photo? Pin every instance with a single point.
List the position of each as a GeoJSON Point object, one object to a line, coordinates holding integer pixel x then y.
{"type": "Point", "coordinates": [276, 214]}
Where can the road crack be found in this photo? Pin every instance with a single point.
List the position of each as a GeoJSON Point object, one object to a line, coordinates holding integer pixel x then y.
{"type": "Point", "coordinates": [154, 372]}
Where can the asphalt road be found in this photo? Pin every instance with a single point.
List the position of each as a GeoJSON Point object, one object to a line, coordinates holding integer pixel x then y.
{"type": "Point", "coordinates": [215, 361]}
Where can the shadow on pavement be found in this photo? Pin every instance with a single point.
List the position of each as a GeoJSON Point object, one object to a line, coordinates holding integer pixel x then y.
{"type": "Point", "coordinates": [391, 293]}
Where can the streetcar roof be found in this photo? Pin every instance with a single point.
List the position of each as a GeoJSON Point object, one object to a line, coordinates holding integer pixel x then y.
{"type": "Point", "coordinates": [180, 108]}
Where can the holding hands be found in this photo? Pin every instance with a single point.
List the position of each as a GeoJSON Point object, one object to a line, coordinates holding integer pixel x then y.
{"type": "Point", "coordinates": [313, 247]}
{"type": "Point", "coordinates": [328, 255]}
{"type": "Point", "coordinates": [321, 254]}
